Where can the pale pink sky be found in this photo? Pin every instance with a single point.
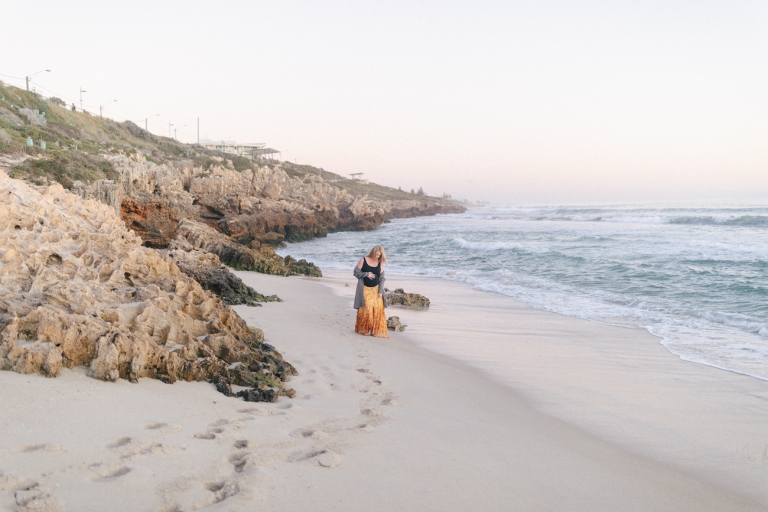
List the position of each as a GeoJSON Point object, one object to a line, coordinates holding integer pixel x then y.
{"type": "Point", "coordinates": [516, 102]}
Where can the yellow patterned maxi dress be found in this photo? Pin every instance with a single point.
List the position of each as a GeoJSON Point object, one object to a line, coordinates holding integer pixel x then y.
{"type": "Point", "coordinates": [371, 319]}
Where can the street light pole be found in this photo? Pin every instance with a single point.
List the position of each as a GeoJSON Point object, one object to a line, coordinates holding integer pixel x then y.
{"type": "Point", "coordinates": [101, 107]}
{"type": "Point", "coordinates": [81, 98]}
{"type": "Point", "coordinates": [33, 74]}
{"type": "Point", "coordinates": [169, 129]}
{"type": "Point", "coordinates": [146, 122]}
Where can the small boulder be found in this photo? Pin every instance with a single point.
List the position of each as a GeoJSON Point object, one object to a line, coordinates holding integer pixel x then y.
{"type": "Point", "coordinates": [393, 324]}
{"type": "Point", "coordinates": [399, 296]}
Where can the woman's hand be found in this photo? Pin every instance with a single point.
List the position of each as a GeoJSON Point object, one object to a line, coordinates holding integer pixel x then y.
{"type": "Point", "coordinates": [371, 275]}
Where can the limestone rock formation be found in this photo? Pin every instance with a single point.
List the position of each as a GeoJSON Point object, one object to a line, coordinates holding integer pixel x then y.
{"type": "Point", "coordinates": [262, 204]}
{"type": "Point", "coordinates": [398, 296]}
{"type": "Point", "coordinates": [78, 288]}
{"type": "Point", "coordinates": [393, 324]}
{"type": "Point", "coordinates": [261, 259]}
{"type": "Point", "coordinates": [207, 270]}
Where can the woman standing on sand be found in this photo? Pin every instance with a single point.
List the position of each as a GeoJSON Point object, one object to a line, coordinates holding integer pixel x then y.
{"type": "Point", "coordinates": [369, 296]}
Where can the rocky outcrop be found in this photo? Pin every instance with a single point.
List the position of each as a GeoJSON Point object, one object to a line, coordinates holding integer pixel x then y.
{"type": "Point", "coordinates": [206, 269]}
{"type": "Point", "coordinates": [393, 324]}
{"type": "Point", "coordinates": [105, 191]}
{"type": "Point", "coordinates": [150, 198]}
{"type": "Point", "coordinates": [256, 257]}
{"type": "Point", "coordinates": [398, 296]}
{"type": "Point", "coordinates": [262, 204]}
{"type": "Point", "coordinates": [78, 288]}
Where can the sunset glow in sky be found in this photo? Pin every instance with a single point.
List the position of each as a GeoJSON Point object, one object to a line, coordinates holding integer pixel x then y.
{"type": "Point", "coordinates": [514, 102]}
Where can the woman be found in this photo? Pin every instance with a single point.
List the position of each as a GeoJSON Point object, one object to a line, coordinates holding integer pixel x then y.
{"type": "Point", "coordinates": [369, 297]}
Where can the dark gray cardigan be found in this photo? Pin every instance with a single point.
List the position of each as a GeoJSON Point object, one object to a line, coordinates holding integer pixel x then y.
{"type": "Point", "coordinates": [359, 292]}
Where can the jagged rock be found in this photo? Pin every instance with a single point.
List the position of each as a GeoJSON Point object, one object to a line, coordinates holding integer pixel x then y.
{"type": "Point", "coordinates": [155, 221]}
{"type": "Point", "coordinates": [78, 288]}
{"type": "Point", "coordinates": [106, 191]}
{"type": "Point", "coordinates": [407, 299]}
{"type": "Point", "coordinates": [207, 270]}
{"type": "Point", "coordinates": [302, 267]}
{"type": "Point", "coordinates": [241, 257]}
{"type": "Point", "coordinates": [393, 324]}
{"type": "Point", "coordinates": [264, 204]}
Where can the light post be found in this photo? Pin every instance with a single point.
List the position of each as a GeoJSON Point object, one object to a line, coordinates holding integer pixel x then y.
{"type": "Point", "coordinates": [169, 129]}
{"type": "Point", "coordinates": [33, 74]}
{"type": "Point", "coordinates": [174, 132]}
{"type": "Point", "coordinates": [101, 107]}
{"type": "Point", "coordinates": [81, 98]}
{"type": "Point", "coordinates": [146, 122]}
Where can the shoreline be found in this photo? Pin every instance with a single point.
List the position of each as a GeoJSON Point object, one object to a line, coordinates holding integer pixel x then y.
{"type": "Point", "coordinates": [375, 425]}
{"type": "Point", "coordinates": [620, 384]}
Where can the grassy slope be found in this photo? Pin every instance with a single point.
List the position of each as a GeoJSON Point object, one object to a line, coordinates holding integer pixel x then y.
{"type": "Point", "coordinates": [83, 139]}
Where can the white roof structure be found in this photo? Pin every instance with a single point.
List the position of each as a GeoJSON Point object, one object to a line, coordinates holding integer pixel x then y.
{"type": "Point", "coordinates": [232, 147]}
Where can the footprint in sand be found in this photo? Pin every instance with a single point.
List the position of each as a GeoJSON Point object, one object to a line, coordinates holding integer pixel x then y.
{"type": "Point", "coordinates": [222, 490]}
{"type": "Point", "coordinates": [165, 427]}
{"type": "Point", "coordinates": [109, 474]}
{"type": "Point", "coordinates": [328, 459]}
{"type": "Point", "coordinates": [239, 460]}
{"type": "Point", "coordinates": [255, 411]}
{"type": "Point", "coordinates": [309, 433]}
{"type": "Point", "coordinates": [54, 449]}
{"type": "Point", "coordinates": [211, 433]}
{"type": "Point", "coordinates": [135, 449]}
{"type": "Point", "coordinates": [241, 443]}
{"type": "Point", "coordinates": [117, 443]}
{"type": "Point", "coordinates": [30, 495]}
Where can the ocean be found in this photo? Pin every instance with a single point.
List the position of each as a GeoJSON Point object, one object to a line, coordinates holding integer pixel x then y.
{"type": "Point", "coordinates": [696, 277]}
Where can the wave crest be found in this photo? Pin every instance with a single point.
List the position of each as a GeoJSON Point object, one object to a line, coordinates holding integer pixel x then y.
{"type": "Point", "coordinates": [497, 246]}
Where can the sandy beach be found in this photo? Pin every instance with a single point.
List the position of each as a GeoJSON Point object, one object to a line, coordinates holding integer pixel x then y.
{"type": "Point", "coordinates": [596, 418]}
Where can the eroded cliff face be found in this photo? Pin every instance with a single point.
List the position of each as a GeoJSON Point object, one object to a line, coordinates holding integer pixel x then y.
{"type": "Point", "coordinates": [79, 288]}
{"type": "Point", "coordinates": [255, 257]}
{"type": "Point", "coordinates": [263, 205]}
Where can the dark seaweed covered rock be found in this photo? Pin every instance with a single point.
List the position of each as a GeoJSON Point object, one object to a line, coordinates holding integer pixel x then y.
{"type": "Point", "coordinates": [302, 267]}
{"type": "Point", "coordinates": [407, 299]}
{"type": "Point", "coordinates": [207, 270]}
{"type": "Point", "coordinates": [256, 257]}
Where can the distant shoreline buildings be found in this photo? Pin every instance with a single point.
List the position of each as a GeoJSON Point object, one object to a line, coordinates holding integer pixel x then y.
{"type": "Point", "coordinates": [251, 151]}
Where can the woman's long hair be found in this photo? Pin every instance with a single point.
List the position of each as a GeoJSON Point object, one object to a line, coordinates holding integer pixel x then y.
{"type": "Point", "coordinates": [372, 254]}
